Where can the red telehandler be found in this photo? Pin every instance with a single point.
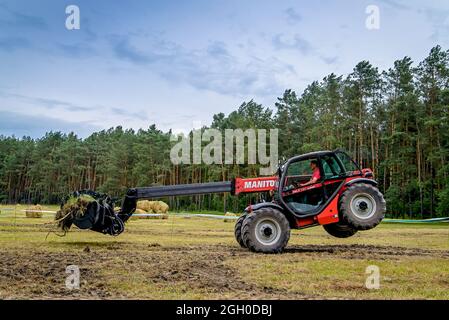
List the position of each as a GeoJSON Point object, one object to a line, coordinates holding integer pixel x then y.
{"type": "Point", "coordinates": [345, 199]}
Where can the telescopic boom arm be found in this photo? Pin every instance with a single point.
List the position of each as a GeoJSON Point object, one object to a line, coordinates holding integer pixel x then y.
{"type": "Point", "coordinates": [235, 187]}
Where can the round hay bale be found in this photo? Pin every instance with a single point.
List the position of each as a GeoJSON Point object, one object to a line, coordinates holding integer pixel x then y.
{"type": "Point", "coordinates": [144, 205]}
{"type": "Point", "coordinates": [153, 206]}
{"type": "Point", "coordinates": [34, 211]}
{"type": "Point", "coordinates": [159, 206]}
{"type": "Point", "coordinates": [163, 206]}
{"type": "Point", "coordinates": [229, 214]}
{"type": "Point", "coordinates": [140, 205]}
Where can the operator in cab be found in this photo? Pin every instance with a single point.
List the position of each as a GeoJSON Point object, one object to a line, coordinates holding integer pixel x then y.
{"type": "Point", "coordinates": [316, 176]}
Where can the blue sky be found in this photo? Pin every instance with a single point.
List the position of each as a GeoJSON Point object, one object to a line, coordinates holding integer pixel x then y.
{"type": "Point", "coordinates": [176, 63]}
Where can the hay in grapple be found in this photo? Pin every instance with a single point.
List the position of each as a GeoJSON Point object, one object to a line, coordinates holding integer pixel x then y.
{"type": "Point", "coordinates": [34, 211]}
{"type": "Point", "coordinates": [75, 207]}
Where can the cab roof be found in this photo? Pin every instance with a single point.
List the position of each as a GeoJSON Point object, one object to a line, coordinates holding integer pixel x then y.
{"type": "Point", "coordinates": [316, 154]}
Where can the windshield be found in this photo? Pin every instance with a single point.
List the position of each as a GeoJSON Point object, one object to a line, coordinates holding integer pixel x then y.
{"type": "Point", "coordinates": [349, 165]}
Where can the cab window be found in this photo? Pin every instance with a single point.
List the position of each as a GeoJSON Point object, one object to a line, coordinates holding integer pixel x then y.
{"type": "Point", "coordinates": [300, 168]}
{"type": "Point", "coordinates": [308, 200]}
{"type": "Point", "coordinates": [348, 164]}
{"type": "Point", "coordinates": [331, 167]}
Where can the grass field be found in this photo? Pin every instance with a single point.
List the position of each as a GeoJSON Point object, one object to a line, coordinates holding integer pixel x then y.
{"type": "Point", "coordinates": [198, 258]}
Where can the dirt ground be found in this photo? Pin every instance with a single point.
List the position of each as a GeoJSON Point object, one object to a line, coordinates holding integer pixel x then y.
{"type": "Point", "coordinates": [197, 258]}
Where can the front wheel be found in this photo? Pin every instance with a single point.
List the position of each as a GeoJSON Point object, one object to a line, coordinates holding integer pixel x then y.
{"type": "Point", "coordinates": [362, 206]}
{"type": "Point", "coordinates": [266, 230]}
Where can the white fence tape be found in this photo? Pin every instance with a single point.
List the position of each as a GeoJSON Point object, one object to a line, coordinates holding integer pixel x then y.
{"type": "Point", "coordinates": [216, 216]}
{"type": "Point", "coordinates": [213, 216]}
{"type": "Point", "coordinates": [43, 211]}
{"type": "Point", "coordinates": [185, 215]}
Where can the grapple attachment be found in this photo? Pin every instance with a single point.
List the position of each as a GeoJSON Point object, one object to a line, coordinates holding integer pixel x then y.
{"type": "Point", "coordinates": [87, 209]}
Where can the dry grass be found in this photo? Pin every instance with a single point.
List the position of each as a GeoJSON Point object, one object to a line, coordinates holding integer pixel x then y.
{"type": "Point", "coordinates": [198, 258]}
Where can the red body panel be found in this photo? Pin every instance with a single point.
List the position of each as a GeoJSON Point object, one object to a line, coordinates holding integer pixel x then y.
{"type": "Point", "coordinates": [330, 213]}
{"type": "Point", "coordinates": [302, 189]}
{"type": "Point", "coordinates": [250, 185]}
{"type": "Point", "coordinates": [305, 222]}
{"type": "Point", "coordinates": [327, 216]}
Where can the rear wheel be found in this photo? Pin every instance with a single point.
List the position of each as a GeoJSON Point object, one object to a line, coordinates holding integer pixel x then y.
{"type": "Point", "coordinates": [340, 230]}
{"type": "Point", "coordinates": [362, 206]}
{"type": "Point", "coordinates": [266, 230]}
{"type": "Point", "coordinates": [238, 230]}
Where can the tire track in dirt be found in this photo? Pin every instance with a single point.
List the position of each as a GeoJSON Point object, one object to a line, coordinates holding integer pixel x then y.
{"type": "Point", "coordinates": [36, 273]}
{"type": "Point", "coordinates": [361, 251]}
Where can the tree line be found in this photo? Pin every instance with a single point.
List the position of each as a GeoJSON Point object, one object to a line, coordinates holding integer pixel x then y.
{"type": "Point", "coordinates": [393, 121]}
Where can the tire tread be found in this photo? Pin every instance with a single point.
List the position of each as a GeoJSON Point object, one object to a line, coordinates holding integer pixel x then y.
{"type": "Point", "coordinates": [238, 230]}
{"type": "Point", "coordinates": [251, 243]}
{"type": "Point", "coordinates": [347, 217]}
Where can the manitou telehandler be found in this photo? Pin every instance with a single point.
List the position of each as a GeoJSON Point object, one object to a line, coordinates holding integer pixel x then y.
{"type": "Point", "coordinates": [344, 200]}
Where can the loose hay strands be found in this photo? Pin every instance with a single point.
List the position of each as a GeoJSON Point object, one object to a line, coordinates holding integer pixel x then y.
{"type": "Point", "coordinates": [75, 207]}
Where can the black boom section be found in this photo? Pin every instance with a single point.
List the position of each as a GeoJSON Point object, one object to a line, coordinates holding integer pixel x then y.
{"type": "Point", "coordinates": [184, 189]}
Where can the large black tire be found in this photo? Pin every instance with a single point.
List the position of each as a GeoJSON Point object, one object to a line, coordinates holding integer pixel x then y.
{"type": "Point", "coordinates": [238, 230]}
{"type": "Point", "coordinates": [362, 206]}
{"type": "Point", "coordinates": [340, 230]}
{"type": "Point", "coordinates": [266, 230]}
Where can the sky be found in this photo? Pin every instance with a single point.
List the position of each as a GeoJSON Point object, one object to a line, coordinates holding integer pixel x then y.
{"type": "Point", "coordinates": [177, 63]}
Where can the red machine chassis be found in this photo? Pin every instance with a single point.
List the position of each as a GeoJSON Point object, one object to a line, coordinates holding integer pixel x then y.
{"type": "Point", "coordinates": [265, 184]}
